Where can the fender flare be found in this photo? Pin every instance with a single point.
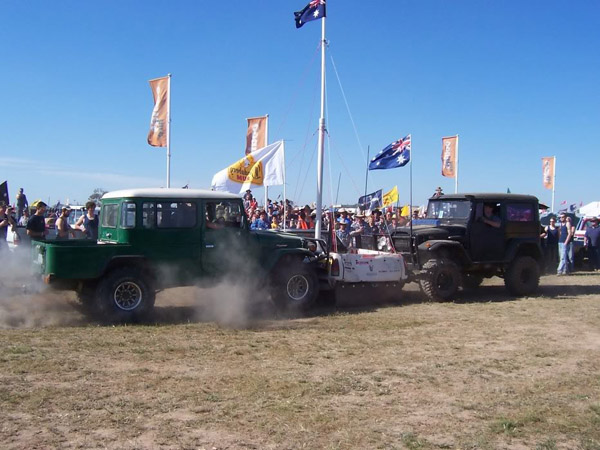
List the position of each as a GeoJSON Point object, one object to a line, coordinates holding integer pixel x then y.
{"type": "Point", "coordinates": [437, 246]}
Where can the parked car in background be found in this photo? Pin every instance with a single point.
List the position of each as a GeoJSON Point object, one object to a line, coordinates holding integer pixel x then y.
{"type": "Point", "coordinates": [579, 251]}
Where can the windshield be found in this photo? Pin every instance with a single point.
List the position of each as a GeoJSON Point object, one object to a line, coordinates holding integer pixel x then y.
{"type": "Point", "coordinates": [449, 209]}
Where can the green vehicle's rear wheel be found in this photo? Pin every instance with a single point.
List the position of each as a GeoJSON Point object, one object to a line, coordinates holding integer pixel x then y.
{"type": "Point", "coordinates": [125, 295]}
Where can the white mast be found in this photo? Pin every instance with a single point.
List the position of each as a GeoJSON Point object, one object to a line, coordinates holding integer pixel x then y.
{"type": "Point", "coordinates": [456, 174]}
{"type": "Point", "coordinates": [169, 133]}
{"type": "Point", "coordinates": [267, 143]}
{"type": "Point", "coordinates": [553, 182]}
{"type": "Point", "coordinates": [321, 138]}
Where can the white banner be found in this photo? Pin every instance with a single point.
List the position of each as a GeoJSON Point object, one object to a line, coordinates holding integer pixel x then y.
{"type": "Point", "coordinates": [263, 167]}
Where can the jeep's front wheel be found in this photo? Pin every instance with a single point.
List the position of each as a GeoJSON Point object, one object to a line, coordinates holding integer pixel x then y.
{"type": "Point", "coordinates": [295, 287]}
{"type": "Point", "coordinates": [125, 295]}
{"type": "Point", "coordinates": [441, 280]}
{"type": "Point", "coordinates": [522, 276]}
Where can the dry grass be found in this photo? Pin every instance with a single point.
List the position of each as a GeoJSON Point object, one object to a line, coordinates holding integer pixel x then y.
{"type": "Point", "coordinates": [503, 373]}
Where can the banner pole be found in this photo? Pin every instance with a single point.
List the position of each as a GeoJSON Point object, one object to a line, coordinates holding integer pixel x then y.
{"type": "Point", "coordinates": [284, 191]}
{"type": "Point", "coordinates": [169, 133]}
{"type": "Point", "coordinates": [267, 143]}
{"type": "Point", "coordinates": [411, 196]}
{"type": "Point", "coordinates": [367, 174]}
{"type": "Point", "coordinates": [456, 174]}
{"type": "Point", "coordinates": [553, 183]}
{"type": "Point", "coordinates": [319, 210]}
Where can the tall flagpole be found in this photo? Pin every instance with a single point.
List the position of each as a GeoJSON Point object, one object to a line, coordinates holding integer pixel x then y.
{"type": "Point", "coordinates": [553, 183]}
{"type": "Point", "coordinates": [169, 133]}
{"type": "Point", "coordinates": [367, 174]}
{"type": "Point", "coordinates": [410, 195]}
{"type": "Point", "coordinates": [456, 174]}
{"type": "Point", "coordinates": [321, 138]}
{"type": "Point", "coordinates": [284, 192]}
{"type": "Point", "coordinates": [267, 143]}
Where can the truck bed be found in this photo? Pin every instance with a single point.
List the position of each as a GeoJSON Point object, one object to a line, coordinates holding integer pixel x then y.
{"type": "Point", "coordinates": [75, 259]}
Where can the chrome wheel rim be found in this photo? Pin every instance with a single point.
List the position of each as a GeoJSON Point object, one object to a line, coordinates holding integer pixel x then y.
{"type": "Point", "coordinates": [128, 296]}
{"type": "Point", "coordinates": [297, 287]}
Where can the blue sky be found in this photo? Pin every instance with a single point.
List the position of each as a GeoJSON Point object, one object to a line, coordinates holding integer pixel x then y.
{"type": "Point", "coordinates": [516, 80]}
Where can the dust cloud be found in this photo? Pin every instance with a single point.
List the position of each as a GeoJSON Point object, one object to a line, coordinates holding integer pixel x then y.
{"type": "Point", "coordinates": [237, 295]}
{"type": "Point", "coordinates": [24, 300]}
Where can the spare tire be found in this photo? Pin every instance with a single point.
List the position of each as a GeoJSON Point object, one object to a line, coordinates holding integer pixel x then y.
{"type": "Point", "coordinates": [522, 276]}
{"type": "Point", "coordinates": [440, 280]}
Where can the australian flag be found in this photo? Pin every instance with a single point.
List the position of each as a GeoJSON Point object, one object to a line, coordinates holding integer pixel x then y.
{"type": "Point", "coordinates": [313, 11]}
{"type": "Point", "coordinates": [397, 154]}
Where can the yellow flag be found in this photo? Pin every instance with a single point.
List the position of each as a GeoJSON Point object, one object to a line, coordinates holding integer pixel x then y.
{"type": "Point", "coordinates": [390, 197]}
{"type": "Point", "coordinates": [405, 211]}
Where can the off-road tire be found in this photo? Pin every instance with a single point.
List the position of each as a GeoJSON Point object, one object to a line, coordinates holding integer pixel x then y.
{"type": "Point", "coordinates": [522, 276]}
{"type": "Point", "coordinates": [294, 287]}
{"type": "Point", "coordinates": [471, 281]}
{"type": "Point", "coordinates": [124, 295]}
{"type": "Point", "coordinates": [441, 280]}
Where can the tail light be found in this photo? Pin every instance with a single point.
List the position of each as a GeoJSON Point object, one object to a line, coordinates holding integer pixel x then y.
{"type": "Point", "coordinates": [335, 268]}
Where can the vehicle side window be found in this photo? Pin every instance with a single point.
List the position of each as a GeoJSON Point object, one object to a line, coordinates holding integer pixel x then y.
{"type": "Point", "coordinates": [479, 209]}
{"type": "Point", "coordinates": [128, 215]}
{"type": "Point", "coordinates": [223, 214]}
{"type": "Point", "coordinates": [109, 215]}
{"type": "Point", "coordinates": [148, 215]}
{"type": "Point", "coordinates": [175, 215]}
{"type": "Point", "coordinates": [519, 212]}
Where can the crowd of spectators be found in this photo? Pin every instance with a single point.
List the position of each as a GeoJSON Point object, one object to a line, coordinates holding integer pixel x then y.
{"type": "Point", "coordinates": [39, 220]}
{"type": "Point", "coordinates": [348, 224]}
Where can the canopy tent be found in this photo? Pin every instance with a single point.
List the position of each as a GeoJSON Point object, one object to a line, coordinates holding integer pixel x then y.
{"type": "Point", "coordinates": [591, 209]}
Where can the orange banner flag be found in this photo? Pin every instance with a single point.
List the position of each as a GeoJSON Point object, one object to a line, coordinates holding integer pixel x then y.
{"type": "Point", "coordinates": [449, 145]}
{"type": "Point", "coordinates": [548, 171]}
{"type": "Point", "coordinates": [256, 136]}
{"type": "Point", "coordinates": [159, 122]}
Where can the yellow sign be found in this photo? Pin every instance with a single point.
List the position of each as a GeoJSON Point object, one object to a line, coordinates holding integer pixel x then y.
{"type": "Point", "coordinates": [246, 170]}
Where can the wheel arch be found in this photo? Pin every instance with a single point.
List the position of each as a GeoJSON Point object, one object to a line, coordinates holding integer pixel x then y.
{"type": "Point", "coordinates": [443, 249]}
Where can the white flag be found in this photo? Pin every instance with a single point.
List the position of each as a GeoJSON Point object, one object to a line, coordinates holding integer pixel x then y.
{"type": "Point", "coordinates": [263, 167]}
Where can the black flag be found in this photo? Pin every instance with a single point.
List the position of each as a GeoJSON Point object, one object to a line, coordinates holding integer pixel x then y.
{"type": "Point", "coordinates": [4, 193]}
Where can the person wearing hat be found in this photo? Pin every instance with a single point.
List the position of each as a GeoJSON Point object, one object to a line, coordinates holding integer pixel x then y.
{"type": "Point", "coordinates": [36, 226]}
{"type": "Point", "coordinates": [63, 229]}
{"type": "Point", "coordinates": [438, 192]}
{"type": "Point", "coordinates": [343, 234]}
{"type": "Point", "coordinates": [344, 217]}
{"type": "Point", "coordinates": [262, 223]}
{"type": "Point", "coordinates": [592, 243]}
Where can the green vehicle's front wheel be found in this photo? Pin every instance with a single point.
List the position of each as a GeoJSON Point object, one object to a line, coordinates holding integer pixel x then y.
{"type": "Point", "coordinates": [295, 287]}
{"type": "Point", "coordinates": [125, 295]}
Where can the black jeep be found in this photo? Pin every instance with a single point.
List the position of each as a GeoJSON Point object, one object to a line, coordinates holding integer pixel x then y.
{"type": "Point", "coordinates": [469, 237]}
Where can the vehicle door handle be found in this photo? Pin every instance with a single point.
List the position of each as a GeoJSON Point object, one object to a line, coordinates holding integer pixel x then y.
{"type": "Point", "coordinates": [210, 246]}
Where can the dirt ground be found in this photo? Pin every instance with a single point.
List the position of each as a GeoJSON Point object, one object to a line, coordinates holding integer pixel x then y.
{"type": "Point", "coordinates": [212, 372]}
